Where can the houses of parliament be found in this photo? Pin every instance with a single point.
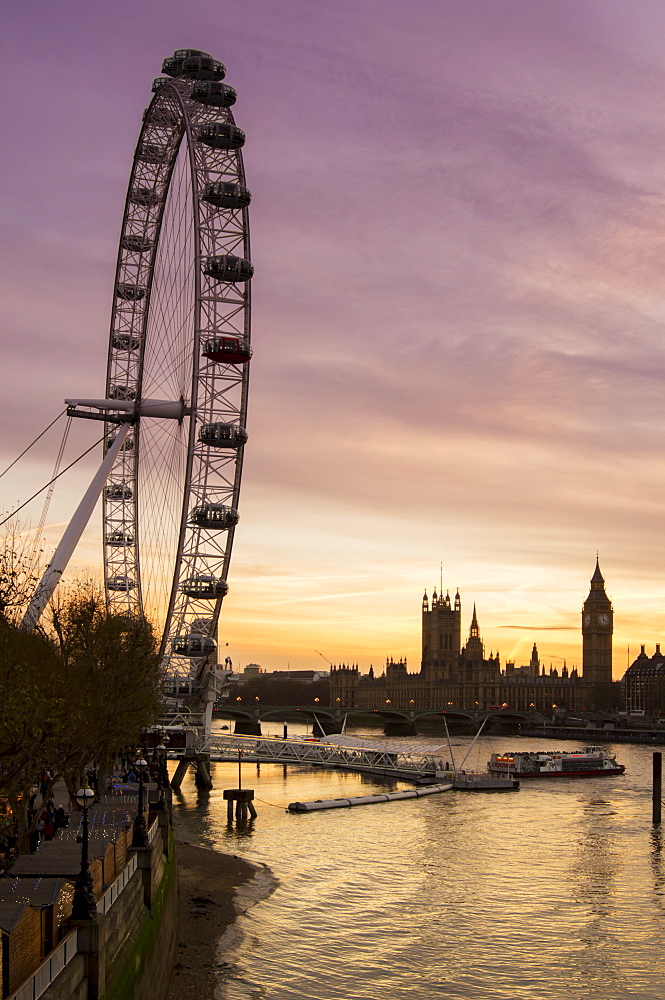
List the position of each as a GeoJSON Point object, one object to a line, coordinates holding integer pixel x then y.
{"type": "Point", "coordinates": [453, 675]}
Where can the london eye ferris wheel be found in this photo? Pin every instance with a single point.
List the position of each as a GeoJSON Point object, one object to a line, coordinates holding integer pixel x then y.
{"type": "Point", "coordinates": [178, 358]}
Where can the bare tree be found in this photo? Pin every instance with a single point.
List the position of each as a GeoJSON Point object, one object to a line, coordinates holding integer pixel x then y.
{"type": "Point", "coordinates": [20, 561]}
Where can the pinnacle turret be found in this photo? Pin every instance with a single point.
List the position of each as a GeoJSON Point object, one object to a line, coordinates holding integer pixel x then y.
{"type": "Point", "coordinates": [597, 581]}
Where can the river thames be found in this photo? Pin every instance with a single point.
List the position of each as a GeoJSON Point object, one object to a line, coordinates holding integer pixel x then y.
{"type": "Point", "coordinates": [557, 890]}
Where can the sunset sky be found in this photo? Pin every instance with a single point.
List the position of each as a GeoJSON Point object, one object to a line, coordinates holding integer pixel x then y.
{"type": "Point", "coordinates": [458, 228]}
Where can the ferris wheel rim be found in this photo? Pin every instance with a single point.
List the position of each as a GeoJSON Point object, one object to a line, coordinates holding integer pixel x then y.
{"type": "Point", "coordinates": [179, 135]}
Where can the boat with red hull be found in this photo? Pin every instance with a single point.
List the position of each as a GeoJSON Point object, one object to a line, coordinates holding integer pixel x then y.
{"type": "Point", "coordinates": [591, 762]}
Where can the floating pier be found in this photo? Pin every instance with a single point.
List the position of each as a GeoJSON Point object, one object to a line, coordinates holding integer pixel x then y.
{"type": "Point", "coordinates": [367, 800]}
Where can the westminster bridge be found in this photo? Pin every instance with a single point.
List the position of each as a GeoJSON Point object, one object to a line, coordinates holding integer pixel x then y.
{"type": "Point", "coordinates": [326, 720]}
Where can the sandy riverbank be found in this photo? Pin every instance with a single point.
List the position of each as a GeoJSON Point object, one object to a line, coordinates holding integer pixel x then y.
{"type": "Point", "coordinates": [208, 884]}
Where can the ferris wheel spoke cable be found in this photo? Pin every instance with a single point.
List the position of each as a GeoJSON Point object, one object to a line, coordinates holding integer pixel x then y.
{"type": "Point", "coordinates": [179, 347]}
{"type": "Point", "coordinates": [175, 331]}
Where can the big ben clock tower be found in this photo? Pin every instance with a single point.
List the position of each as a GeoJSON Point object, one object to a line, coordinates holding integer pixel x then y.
{"type": "Point", "coordinates": [597, 628]}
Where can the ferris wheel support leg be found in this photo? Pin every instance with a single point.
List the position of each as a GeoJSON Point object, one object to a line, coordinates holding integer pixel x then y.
{"type": "Point", "coordinates": [207, 719]}
{"type": "Point", "coordinates": [73, 532]}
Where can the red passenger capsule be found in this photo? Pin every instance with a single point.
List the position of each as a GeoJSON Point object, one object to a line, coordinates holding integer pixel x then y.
{"type": "Point", "coordinates": [228, 350]}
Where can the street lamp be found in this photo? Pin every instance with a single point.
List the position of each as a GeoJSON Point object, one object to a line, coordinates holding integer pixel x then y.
{"type": "Point", "coordinates": [165, 773]}
{"type": "Point", "coordinates": [140, 835]}
{"type": "Point", "coordinates": [84, 906]}
{"type": "Point", "coordinates": [160, 751]}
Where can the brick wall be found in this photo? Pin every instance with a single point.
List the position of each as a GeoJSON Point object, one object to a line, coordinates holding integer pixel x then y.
{"type": "Point", "coordinates": [25, 947]}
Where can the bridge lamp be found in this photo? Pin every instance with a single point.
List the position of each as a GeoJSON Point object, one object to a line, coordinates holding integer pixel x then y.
{"type": "Point", "coordinates": [238, 699]}
{"type": "Point", "coordinates": [450, 704]}
{"type": "Point", "coordinates": [316, 701]}
{"type": "Point", "coordinates": [531, 704]}
{"type": "Point", "coordinates": [553, 706]}
{"type": "Point", "coordinates": [257, 698]}
{"type": "Point", "coordinates": [387, 701]}
{"type": "Point", "coordinates": [338, 700]}
{"type": "Point", "coordinates": [411, 701]}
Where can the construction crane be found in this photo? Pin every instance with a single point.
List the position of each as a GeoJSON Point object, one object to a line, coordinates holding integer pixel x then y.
{"type": "Point", "coordinates": [323, 657]}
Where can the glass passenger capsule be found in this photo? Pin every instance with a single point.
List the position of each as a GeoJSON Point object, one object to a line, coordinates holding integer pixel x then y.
{"type": "Point", "coordinates": [223, 435]}
{"type": "Point", "coordinates": [226, 194]}
{"type": "Point", "coordinates": [137, 243]}
{"type": "Point", "coordinates": [132, 293]}
{"type": "Point", "coordinates": [214, 515]}
{"type": "Point", "coordinates": [158, 83]}
{"type": "Point", "coordinates": [123, 583]}
{"type": "Point", "coordinates": [228, 349]}
{"type": "Point", "coordinates": [193, 645]}
{"type": "Point", "coordinates": [117, 538]}
{"type": "Point", "coordinates": [126, 342]}
{"type": "Point", "coordinates": [214, 94]}
{"type": "Point", "coordinates": [204, 587]}
{"type": "Point", "coordinates": [202, 67]}
{"type": "Point", "coordinates": [226, 267]}
{"type": "Point", "coordinates": [221, 135]}
{"type": "Point", "coordinates": [122, 392]}
{"type": "Point", "coordinates": [145, 196]}
{"type": "Point", "coordinates": [118, 491]}
{"type": "Point", "coordinates": [172, 65]}
{"type": "Point", "coordinates": [182, 54]}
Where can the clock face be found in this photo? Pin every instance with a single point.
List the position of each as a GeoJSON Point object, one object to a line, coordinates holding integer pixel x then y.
{"type": "Point", "coordinates": [587, 619]}
{"type": "Point", "coordinates": [603, 619]}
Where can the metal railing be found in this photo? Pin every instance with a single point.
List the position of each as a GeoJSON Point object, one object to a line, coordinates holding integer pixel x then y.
{"type": "Point", "coordinates": [51, 967]}
{"type": "Point", "coordinates": [281, 751]}
{"type": "Point", "coordinates": [114, 890]}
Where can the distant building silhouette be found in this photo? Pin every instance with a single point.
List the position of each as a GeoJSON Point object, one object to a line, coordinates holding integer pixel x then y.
{"type": "Point", "coordinates": [456, 676]}
{"type": "Point", "coordinates": [644, 683]}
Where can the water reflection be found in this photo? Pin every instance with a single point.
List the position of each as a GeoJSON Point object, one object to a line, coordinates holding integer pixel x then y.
{"type": "Point", "coordinates": [656, 859]}
{"type": "Point", "coordinates": [551, 892]}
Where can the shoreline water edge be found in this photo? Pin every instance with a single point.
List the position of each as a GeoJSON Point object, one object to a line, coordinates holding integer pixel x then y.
{"type": "Point", "coordinates": [214, 890]}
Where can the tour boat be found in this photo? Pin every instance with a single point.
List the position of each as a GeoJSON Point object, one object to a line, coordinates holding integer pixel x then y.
{"type": "Point", "coordinates": [592, 762]}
